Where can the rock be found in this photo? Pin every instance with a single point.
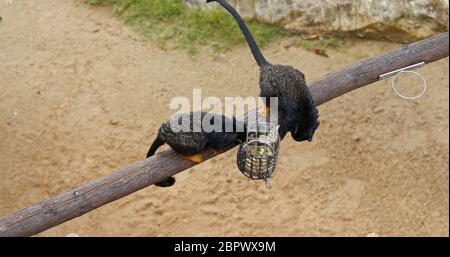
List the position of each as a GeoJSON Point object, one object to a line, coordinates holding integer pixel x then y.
{"type": "Point", "coordinates": [377, 109]}
{"type": "Point", "coordinates": [372, 235]}
{"type": "Point", "coordinates": [320, 51]}
{"type": "Point", "coordinates": [400, 21]}
{"type": "Point", "coordinates": [290, 43]}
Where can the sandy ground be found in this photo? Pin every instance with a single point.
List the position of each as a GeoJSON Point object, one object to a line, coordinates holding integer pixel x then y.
{"type": "Point", "coordinates": [82, 95]}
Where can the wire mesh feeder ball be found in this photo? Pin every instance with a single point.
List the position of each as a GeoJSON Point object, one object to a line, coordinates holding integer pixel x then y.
{"type": "Point", "coordinates": [257, 156]}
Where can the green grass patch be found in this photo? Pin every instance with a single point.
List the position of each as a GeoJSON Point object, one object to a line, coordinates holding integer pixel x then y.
{"type": "Point", "coordinates": [172, 25]}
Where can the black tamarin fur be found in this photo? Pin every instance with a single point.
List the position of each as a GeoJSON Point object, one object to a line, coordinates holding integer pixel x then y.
{"type": "Point", "coordinates": [297, 111]}
{"type": "Point", "coordinates": [195, 137]}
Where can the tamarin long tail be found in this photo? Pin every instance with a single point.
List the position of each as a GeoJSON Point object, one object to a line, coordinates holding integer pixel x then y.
{"type": "Point", "coordinates": [259, 57]}
{"type": "Point", "coordinates": [167, 182]}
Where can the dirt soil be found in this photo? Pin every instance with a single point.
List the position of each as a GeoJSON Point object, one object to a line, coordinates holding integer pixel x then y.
{"type": "Point", "coordinates": [82, 95]}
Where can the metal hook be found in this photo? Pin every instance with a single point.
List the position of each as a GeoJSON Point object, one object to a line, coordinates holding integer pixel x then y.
{"type": "Point", "coordinates": [408, 97]}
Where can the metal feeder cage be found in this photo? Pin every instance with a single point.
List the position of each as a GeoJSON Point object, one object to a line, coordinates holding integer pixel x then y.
{"type": "Point", "coordinates": [257, 157]}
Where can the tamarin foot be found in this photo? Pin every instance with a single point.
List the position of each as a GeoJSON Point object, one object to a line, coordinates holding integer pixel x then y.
{"type": "Point", "coordinates": [197, 158]}
{"type": "Point", "coordinates": [167, 182]}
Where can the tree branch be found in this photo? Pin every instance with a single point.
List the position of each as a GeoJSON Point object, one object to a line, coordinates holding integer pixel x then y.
{"type": "Point", "coordinates": [77, 202]}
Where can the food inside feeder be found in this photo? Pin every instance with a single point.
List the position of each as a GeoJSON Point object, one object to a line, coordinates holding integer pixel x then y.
{"type": "Point", "coordinates": [259, 148]}
{"type": "Point", "coordinates": [257, 164]}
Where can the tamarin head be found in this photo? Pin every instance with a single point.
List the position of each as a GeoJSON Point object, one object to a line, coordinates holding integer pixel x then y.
{"type": "Point", "coordinates": [307, 125]}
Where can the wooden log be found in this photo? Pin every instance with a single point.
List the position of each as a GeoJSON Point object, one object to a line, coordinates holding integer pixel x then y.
{"type": "Point", "coordinates": [77, 202]}
{"type": "Point", "coordinates": [368, 71]}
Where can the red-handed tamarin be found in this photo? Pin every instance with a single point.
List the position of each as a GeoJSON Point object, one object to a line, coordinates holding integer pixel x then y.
{"type": "Point", "coordinates": [297, 111]}
{"type": "Point", "coordinates": [203, 131]}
